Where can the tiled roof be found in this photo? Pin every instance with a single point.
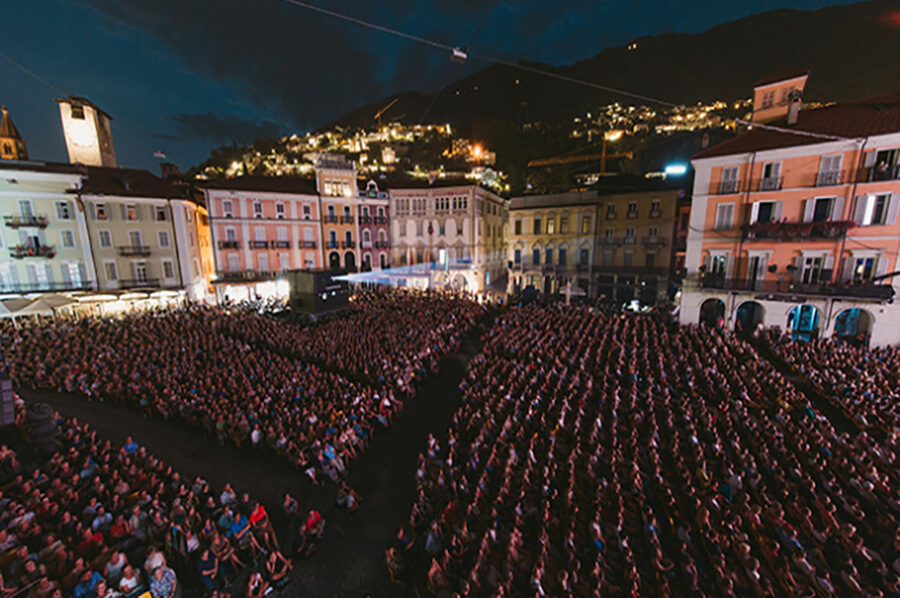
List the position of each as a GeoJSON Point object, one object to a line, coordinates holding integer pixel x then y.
{"type": "Point", "coordinates": [282, 184]}
{"type": "Point", "coordinates": [781, 75]}
{"type": "Point", "coordinates": [128, 182]}
{"type": "Point", "coordinates": [35, 166]}
{"type": "Point", "coordinates": [574, 198]}
{"type": "Point", "coordinates": [860, 118]}
{"type": "Point", "coordinates": [400, 184]}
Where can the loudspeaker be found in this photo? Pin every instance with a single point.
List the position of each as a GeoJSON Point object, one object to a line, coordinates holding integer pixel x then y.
{"type": "Point", "coordinates": [7, 403]}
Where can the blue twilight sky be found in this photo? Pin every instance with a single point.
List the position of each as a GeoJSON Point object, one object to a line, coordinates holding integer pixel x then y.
{"type": "Point", "coordinates": [185, 76]}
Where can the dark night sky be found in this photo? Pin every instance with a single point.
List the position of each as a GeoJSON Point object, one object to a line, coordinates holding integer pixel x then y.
{"type": "Point", "coordinates": [185, 76]}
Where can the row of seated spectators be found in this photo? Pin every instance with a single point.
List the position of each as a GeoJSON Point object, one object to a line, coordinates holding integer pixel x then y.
{"type": "Point", "coordinates": [178, 364]}
{"type": "Point", "coordinates": [388, 338]}
{"type": "Point", "coordinates": [863, 382]}
{"type": "Point", "coordinates": [597, 455]}
{"type": "Point", "coordinates": [104, 521]}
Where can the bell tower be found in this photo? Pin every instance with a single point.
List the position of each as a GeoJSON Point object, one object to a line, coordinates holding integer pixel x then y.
{"type": "Point", "coordinates": [12, 147]}
{"type": "Point", "coordinates": [87, 131]}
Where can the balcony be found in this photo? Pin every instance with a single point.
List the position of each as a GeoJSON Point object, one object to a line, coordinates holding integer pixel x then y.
{"type": "Point", "coordinates": [610, 241]}
{"type": "Point", "coordinates": [626, 240]}
{"type": "Point", "coordinates": [247, 275]}
{"type": "Point", "coordinates": [729, 187]}
{"type": "Point", "coordinates": [382, 244]}
{"type": "Point", "coordinates": [132, 283]}
{"type": "Point", "coordinates": [348, 244]}
{"type": "Point", "coordinates": [381, 220]}
{"type": "Point", "coordinates": [281, 244]}
{"type": "Point", "coordinates": [830, 178]}
{"type": "Point", "coordinates": [798, 231]}
{"type": "Point", "coordinates": [258, 244]}
{"type": "Point", "coordinates": [134, 250]}
{"type": "Point", "coordinates": [656, 213]}
{"type": "Point", "coordinates": [631, 215]}
{"type": "Point", "coordinates": [877, 292]}
{"type": "Point", "coordinates": [30, 220]}
{"type": "Point", "coordinates": [654, 241]}
{"type": "Point", "coordinates": [365, 220]}
{"type": "Point", "coordinates": [229, 244]}
{"type": "Point", "coordinates": [346, 219]}
{"type": "Point", "coordinates": [332, 219]}
{"type": "Point", "coordinates": [882, 173]}
{"type": "Point", "coordinates": [633, 270]}
{"type": "Point", "coordinates": [47, 286]}
{"type": "Point", "coordinates": [332, 245]}
{"type": "Point", "coordinates": [770, 183]}
{"type": "Point", "coordinates": [582, 267]}
{"type": "Point", "coordinates": [307, 244]}
{"type": "Point", "coordinates": [22, 251]}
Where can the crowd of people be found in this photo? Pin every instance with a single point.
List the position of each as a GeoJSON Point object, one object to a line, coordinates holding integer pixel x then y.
{"type": "Point", "coordinates": [598, 455]}
{"type": "Point", "coordinates": [243, 376]}
{"type": "Point", "coordinates": [104, 521]}
{"type": "Point", "coordinates": [863, 382]}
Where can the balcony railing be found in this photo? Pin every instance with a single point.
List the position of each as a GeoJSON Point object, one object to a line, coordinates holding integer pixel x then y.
{"type": "Point", "coordinates": [880, 292]}
{"type": "Point", "coordinates": [656, 213]}
{"type": "Point", "coordinates": [634, 270]}
{"type": "Point", "coordinates": [229, 244]}
{"type": "Point", "coordinates": [131, 283]}
{"type": "Point", "coordinates": [20, 221]}
{"type": "Point", "coordinates": [626, 240]}
{"type": "Point", "coordinates": [610, 241]}
{"type": "Point", "coordinates": [365, 220]}
{"type": "Point", "coordinates": [258, 244]}
{"type": "Point", "coordinates": [582, 267]}
{"type": "Point", "coordinates": [22, 251]}
{"type": "Point", "coordinates": [790, 231]}
{"type": "Point", "coordinates": [330, 219]}
{"type": "Point", "coordinates": [346, 219]}
{"type": "Point", "coordinates": [381, 219]}
{"type": "Point", "coordinates": [729, 187]}
{"type": "Point", "coordinates": [631, 215]}
{"type": "Point", "coordinates": [248, 275]}
{"type": "Point", "coordinates": [134, 250]}
{"type": "Point", "coordinates": [332, 245]}
{"type": "Point", "coordinates": [348, 245]}
{"type": "Point", "coordinates": [47, 286]}
{"type": "Point", "coordinates": [770, 183]}
{"type": "Point", "coordinates": [382, 244]}
{"type": "Point", "coordinates": [829, 178]}
{"type": "Point", "coordinates": [654, 241]}
{"type": "Point", "coordinates": [281, 244]}
{"type": "Point", "coordinates": [307, 244]}
{"type": "Point", "coordinates": [883, 173]}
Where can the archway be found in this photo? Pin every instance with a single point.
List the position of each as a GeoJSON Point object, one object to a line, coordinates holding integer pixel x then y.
{"type": "Point", "coordinates": [803, 322]}
{"type": "Point", "coordinates": [854, 325]}
{"type": "Point", "coordinates": [750, 314]}
{"type": "Point", "coordinates": [350, 261]}
{"type": "Point", "coordinates": [367, 263]}
{"type": "Point", "coordinates": [459, 282]}
{"type": "Point", "coordinates": [334, 260]}
{"type": "Point", "coordinates": [711, 311]}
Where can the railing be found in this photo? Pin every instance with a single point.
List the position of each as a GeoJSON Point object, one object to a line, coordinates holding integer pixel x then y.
{"type": "Point", "coordinates": [790, 231]}
{"type": "Point", "coordinates": [281, 244]}
{"type": "Point", "coordinates": [332, 245]}
{"type": "Point", "coordinates": [382, 244]}
{"type": "Point", "coordinates": [729, 187]}
{"type": "Point", "coordinates": [330, 219]}
{"type": "Point", "coordinates": [610, 216]}
{"type": "Point", "coordinates": [582, 267]}
{"type": "Point", "coordinates": [829, 178]}
{"type": "Point", "coordinates": [348, 245]}
{"type": "Point", "coordinates": [770, 183]}
{"type": "Point", "coordinates": [248, 275]}
{"type": "Point", "coordinates": [131, 283]}
{"type": "Point", "coordinates": [381, 219]}
{"type": "Point", "coordinates": [631, 215]}
{"type": "Point", "coordinates": [886, 173]}
{"type": "Point", "coordinates": [881, 292]}
{"type": "Point", "coordinates": [609, 241]}
{"type": "Point", "coordinates": [365, 220]}
{"type": "Point", "coordinates": [19, 221]}
{"type": "Point", "coordinates": [346, 219]}
{"type": "Point", "coordinates": [307, 244]}
{"type": "Point", "coordinates": [22, 251]}
{"type": "Point", "coordinates": [629, 240]}
{"type": "Point", "coordinates": [134, 250]}
{"type": "Point", "coordinates": [655, 241]}
{"type": "Point", "coordinates": [229, 244]}
{"type": "Point", "coordinates": [258, 244]}
{"type": "Point", "coordinates": [635, 270]}
{"type": "Point", "coordinates": [656, 213]}
{"type": "Point", "coordinates": [47, 286]}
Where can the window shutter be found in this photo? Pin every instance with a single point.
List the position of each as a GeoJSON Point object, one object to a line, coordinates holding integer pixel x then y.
{"type": "Point", "coordinates": [837, 209]}
{"type": "Point", "coordinates": [64, 268]}
{"type": "Point", "coordinates": [881, 270]}
{"type": "Point", "coordinates": [776, 213]}
{"type": "Point", "coordinates": [32, 276]}
{"type": "Point", "coordinates": [809, 205]}
{"type": "Point", "coordinates": [754, 212]}
{"type": "Point", "coordinates": [729, 264]}
{"type": "Point", "coordinates": [892, 209]}
{"type": "Point", "coordinates": [49, 272]}
{"type": "Point", "coordinates": [92, 212]}
{"type": "Point", "coordinates": [798, 268]}
{"type": "Point", "coordinates": [137, 211]}
{"type": "Point", "coordinates": [124, 211]}
{"type": "Point", "coordinates": [869, 160]}
{"type": "Point", "coordinates": [828, 269]}
{"type": "Point", "coordinates": [847, 274]}
{"type": "Point", "coordinates": [82, 273]}
{"type": "Point", "coordinates": [860, 212]}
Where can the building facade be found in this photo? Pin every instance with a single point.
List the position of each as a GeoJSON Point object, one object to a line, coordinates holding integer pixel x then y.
{"type": "Point", "coordinates": [797, 227]}
{"type": "Point", "coordinates": [373, 211]}
{"type": "Point", "coordinates": [87, 131]}
{"type": "Point", "coordinates": [449, 233]}
{"type": "Point", "coordinates": [336, 185]}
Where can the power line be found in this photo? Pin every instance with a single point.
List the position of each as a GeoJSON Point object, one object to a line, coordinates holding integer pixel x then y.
{"type": "Point", "coordinates": [33, 74]}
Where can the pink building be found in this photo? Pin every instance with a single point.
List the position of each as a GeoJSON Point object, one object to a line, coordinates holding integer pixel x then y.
{"type": "Point", "coordinates": [374, 227]}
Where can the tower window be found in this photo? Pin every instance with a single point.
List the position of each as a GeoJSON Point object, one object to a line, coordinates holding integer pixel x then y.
{"type": "Point", "coordinates": [78, 112]}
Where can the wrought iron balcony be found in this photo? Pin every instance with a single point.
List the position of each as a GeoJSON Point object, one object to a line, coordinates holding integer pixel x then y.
{"type": "Point", "coordinates": [829, 178]}
{"type": "Point", "coordinates": [22, 251]}
{"type": "Point", "coordinates": [656, 213]}
{"type": "Point", "coordinates": [307, 244]}
{"type": "Point", "coordinates": [346, 219]}
{"type": "Point", "coordinates": [330, 219]}
{"type": "Point", "coordinates": [631, 215]}
{"type": "Point", "coordinates": [655, 241]}
{"type": "Point", "coordinates": [134, 250]}
{"type": "Point", "coordinates": [790, 231]}
{"type": "Point", "coordinates": [878, 292]}
{"type": "Point", "coordinates": [248, 275]}
{"type": "Point", "coordinates": [582, 267]}
{"type": "Point", "coordinates": [281, 244]}
{"type": "Point", "coordinates": [365, 220]}
{"type": "Point", "coordinates": [729, 187]}
{"type": "Point", "coordinates": [348, 244]}
{"type": "Point", "coordinates": [883, 173]}
{"type": "Point", "coordinates": [258, 244]}
{"type": "Point", "coordinates": [381, 219]}
{"type": "Point", "coordinates": [382, 244]}
{"type": "Point", "coordinates": [229, 244]}
{"type": "Point", "coordinates": [770, 183]}
{"type": "Point", "coordinates": [131, 283]}
{"type": "Point", "coordinates": [46, 286]}
{"type": "Point", "coordinates": [30, 221]}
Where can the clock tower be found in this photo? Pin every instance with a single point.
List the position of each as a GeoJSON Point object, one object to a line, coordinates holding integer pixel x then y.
{"type": "Point", "coordinates": [11, 145]}
{"type": "Point", "coordinates": [87, 131]}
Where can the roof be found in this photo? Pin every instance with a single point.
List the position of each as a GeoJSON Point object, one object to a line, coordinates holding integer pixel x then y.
{"type": "Point", "coordinates": [781, 75]}
{"type": "Point", "coordinates": [80, 101]}
{"type": "Point", "coordinates": [128, 182]}
{"type": "Point", "coordinates": [7, 128]}
{"type": "Point", "coordinates": [35, 166]}
{"type": "Point", "coordinates": [879, 115]}
{"type": "Point", "coordinates": [437, 183]}
{"type": "Point", "coordinates": [282, 184]}
{"type": "Point", "coordinates": [574, 198]}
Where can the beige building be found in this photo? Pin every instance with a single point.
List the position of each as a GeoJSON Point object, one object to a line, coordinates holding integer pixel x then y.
{"type": "Point", "coordinates": [87, 131]}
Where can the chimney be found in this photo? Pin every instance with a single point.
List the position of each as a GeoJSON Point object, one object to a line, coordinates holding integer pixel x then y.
{"type": "Point", "coordinates": [794, 108]}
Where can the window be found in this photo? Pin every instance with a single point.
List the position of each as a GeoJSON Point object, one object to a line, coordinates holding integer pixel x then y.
{"type": "Point", "coordinates": [442, 230]}
{"type": "Point", "coordinates": [585, 225]}
{"type": "Point", "coordinates": [63, 210]}
{"type": "Point", "coordinates": [111, 274]}
{"type": "Point", "coordinates": [306, 211]}
{"type": "Point", "coordinates": [420, 229]}
{"type": "Point", "coordinates": [100, 211]}
{"type": "Point", "coordinates": [584, 257]}
{"type": "Point", "coordinates": [628, 258]}
{"type": "Point", "coordinates": [610, 211]}
{"type": "Point", "coordinates": [729, 183]}
{"type": "Point", "coordinates": [168, 269]}
{"type": "Point", "coordinates": [282, 233]}
{"type": "Point", "coordinates": [863, 268]}
{"type": "Point", "coordinates": [829, 170]}
{"type": "Point", "coordinates": [822, 208]}
{"type": "Point", "coordinates": [26, 210]}
{"type": "Point", "coordinates": [632, 210]}
{"type": "Point", "coordinates": [230, 234]}
{"type": "Point", "coordinates": [653, 232]}
{"type": "Point", "coordinates": [724, 216]}
{"type": "Point", "coordinates": [549, 256]}
{"type": "Point", "coordinates": [131, 212]}
{"type": "Point", "coordinates": [563, 257]}
{"type": "Point", "coordinates": [875, 209]}
{"type": "Point", "coordinates": [227, 208]}
{"type": "Point", "coordinates": [765, 211]}
{"type": "Point", "coordinates": [551, 226]}
{"type": "Point", "coordinates": [608, 256]}
{"type": "Point", "coordinates": [629, 235]}
{"type": "Point", "coordinates": [260, 233]}
{"type": "Point", "coordinates": [105, 238]}
{"type": "Point", "coordinates": [517, 256]}
{"type": "Point", "coordinates": [655, 208]}
{"type": "Point", "coordinates": [768, 99]}
{"type": "Point", "coordinates": [651, 259]}
{"type": "Point", "coordinates": [135, 238]}
{"type": "Point", "coordinates": [161, 215]}
{"type": "Point", "coordinates": [263, 260]}
{"type": "Point", "coordinates": [367, 237]}
{"type": "Point", "coordinates": [536, 226]}
{"type": "Point", "coordinates": [536, 256]}
{"type": "Point", "coordinates": [332, 238]}
{"type": "Point", "coordinates": [234, 262]}
{"type": "Point", "coordinates": [163, 236]}
{"type": "Point", "coordinates": [67, 238]}
{"type": "Point", "coordinates": [563, 224]}
{"type": "Point", "coordinates": [812, 270]}
{"type": "Point", "coordinates": [279, 211]}
{"type": "Point", "coordinates": [609, 234]}
{"type": "Point", "coordinates": [771, 177]}
{"type": "Point", "coordinates": [257, 209]}
{"type": "Point", "coordinates": [518, 227]}
{"type": "Point", "coordinates": [459, 228]}
{"type": "Point", "coordinates": [77, 112]}
{"type": "Point", "coordinates": [284, 261]}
